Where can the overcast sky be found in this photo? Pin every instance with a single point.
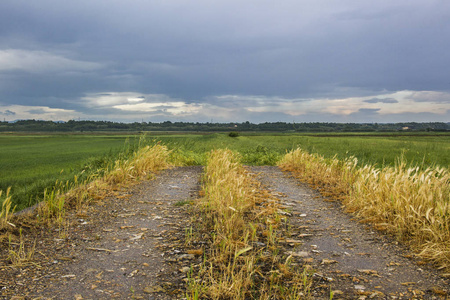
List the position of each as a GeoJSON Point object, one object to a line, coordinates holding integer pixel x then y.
{"type": "Point", "coordinates": [225, 61]}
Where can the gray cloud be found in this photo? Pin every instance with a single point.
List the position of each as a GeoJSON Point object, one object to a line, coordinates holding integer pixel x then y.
{"type": "Point", "coordinates": [368, 110]}
{"type": "Point", "coordinates": [41, 62]}
{"type": "Point", "coordinates": [384, 100]}
{"type": "Point", "coordinates": [39, 111]}
{"type": "Point", "coordinates": [430, 96]}
{"type": "Point", "coordinates": [54, 53]}
{"type": "Point", "coordinates": [7, 113]}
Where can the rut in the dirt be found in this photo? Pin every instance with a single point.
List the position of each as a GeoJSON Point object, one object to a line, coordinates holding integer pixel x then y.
{"type": "Point", "coordinates": [125, 247]}
{"type": "Point", "coordinates": [348, 257]}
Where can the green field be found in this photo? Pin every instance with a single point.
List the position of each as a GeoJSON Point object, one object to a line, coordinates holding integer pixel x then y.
{"type": "Point", "coordinates": [30, 163]}
{"type": "Point", "coordinates": [261, 149]}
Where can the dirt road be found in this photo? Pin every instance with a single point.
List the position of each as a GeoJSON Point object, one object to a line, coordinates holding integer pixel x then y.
{"type": "Point", "coordinates": [131, 246]}
{"type": "Point", "coordinates": [125, 247]}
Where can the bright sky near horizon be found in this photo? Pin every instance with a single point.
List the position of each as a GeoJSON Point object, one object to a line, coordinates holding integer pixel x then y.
{"type": "Point", "coordinates": [226, 61]}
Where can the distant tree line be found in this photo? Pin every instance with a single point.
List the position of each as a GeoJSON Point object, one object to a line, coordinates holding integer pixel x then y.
{"type": "Point", "coordinates": [102, 126]}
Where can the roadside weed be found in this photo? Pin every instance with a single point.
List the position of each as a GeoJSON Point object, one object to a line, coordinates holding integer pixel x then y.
{"type": "Point", "coordinates": [6, 212]}
{"type": "Point", "coordinates": [183, 202]}
{"type": "Point", "coordinates": [18, 255]}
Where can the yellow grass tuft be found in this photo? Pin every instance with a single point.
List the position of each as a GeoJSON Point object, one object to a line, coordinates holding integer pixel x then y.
{"type": "Point", "coordinates": [6, 212]}
{"type": "Point", "coordinates": [18, 254]}
{"type": "Point", "coordinates": [145, 161]}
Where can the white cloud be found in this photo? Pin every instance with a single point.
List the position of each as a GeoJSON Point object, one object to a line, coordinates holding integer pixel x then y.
{"type": "Point", "coordinates": [397, 103]}
{"type": "Point", "coordinates": [132, 102]}
{"type": "Point", "coordinates": [174, 108]}
{"type": "Point", "coordinates": [429, 96]}
{"type": "Point", "coordinates": [385, 104]}
{"type": "Point", "coordinates": [41, 61]}
{"type": "Point", "coordinates": [133, 106]}
{"type": "Point", "coordinates": [22, 112]}
{"type": "Point", "coordinates": [110, 99]}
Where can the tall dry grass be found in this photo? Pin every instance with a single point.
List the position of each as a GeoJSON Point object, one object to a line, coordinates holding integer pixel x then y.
{"type": "Point", "coordinates": [411, 203]}
{"type": "Point", "coordinates": [143, 162]}
{"type": "Point", "coordinates": [6, 211]}
{"type": "Point", "coordinates": [227, 198]}
{"type": "Point", "coordinates": [244, 260]}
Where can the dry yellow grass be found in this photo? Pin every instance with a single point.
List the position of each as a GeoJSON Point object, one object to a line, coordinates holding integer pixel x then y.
{"type": "Point", "coordinates": [410, 203]}
{"type": "Point", "coordinates": [18, 254]}
{"type": "Point", "coordinates": [244, 260]}
{"type": "Point", "coordinates": [6, 212]}
{"type": "Point", "coordinates": [143, 163]}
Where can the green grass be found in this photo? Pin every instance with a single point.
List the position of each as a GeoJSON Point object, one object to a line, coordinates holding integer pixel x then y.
{"type": "Point", "coordinates": [266, 149]}
{"type": "Point", "coordinates": [31, 163]}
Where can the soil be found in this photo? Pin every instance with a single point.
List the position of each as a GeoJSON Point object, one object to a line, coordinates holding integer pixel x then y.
{"type": "Point", "coordinates": [131, 245]}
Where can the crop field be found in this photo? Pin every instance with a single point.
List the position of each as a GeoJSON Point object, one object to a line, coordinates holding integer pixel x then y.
{"type": "Point", "coordinates": [267, 149]}
{"type": "Point", "coordinates": [31, 163]}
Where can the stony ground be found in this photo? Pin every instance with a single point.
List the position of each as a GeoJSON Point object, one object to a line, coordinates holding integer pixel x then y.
{"type": "Point", "coordinates": [132, 246]}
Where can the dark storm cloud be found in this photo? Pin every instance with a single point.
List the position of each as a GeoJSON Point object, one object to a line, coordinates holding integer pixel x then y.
{"type": "Point", "coordinates": [368, 110]}
{"type": "Point", "coordinates": [54, 53]}
{"type": "Point", "coordinates": [384, 100]}
{"type": "Point", "coordinates": [7, 113]}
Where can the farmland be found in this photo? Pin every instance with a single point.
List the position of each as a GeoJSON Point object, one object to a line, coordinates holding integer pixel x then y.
{"type": "Point", "coordinates": [30, 163]}
{"type": "Point", "coordinates": [267, 148]}
{"type": "Point", "coordinates": [397, 183]}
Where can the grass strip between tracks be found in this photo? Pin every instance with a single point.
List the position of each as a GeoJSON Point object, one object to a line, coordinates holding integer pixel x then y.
{"type": "Point", "coordinates": [241, 224]}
